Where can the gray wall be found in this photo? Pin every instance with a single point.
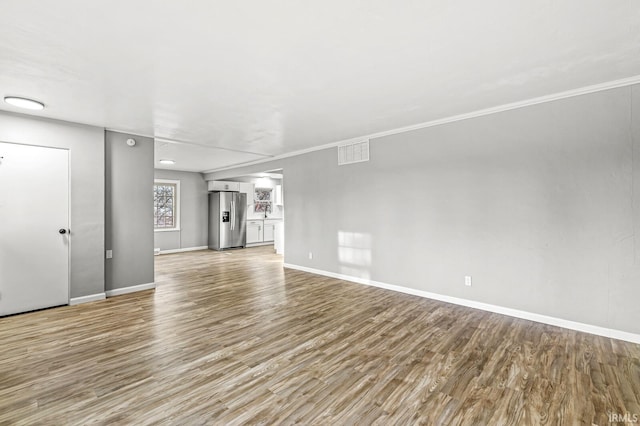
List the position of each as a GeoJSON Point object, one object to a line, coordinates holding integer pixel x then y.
{"type": "Point", "coordinates": [636, 169]}
{"type": "Point", "coordinates": [86, 147]}
{"type": "Point", "coordinates": [540, 205]}
{"type": "Point", "coordinates": [193, 212]}
{"type": "Point", "coordinates": [129, 211]}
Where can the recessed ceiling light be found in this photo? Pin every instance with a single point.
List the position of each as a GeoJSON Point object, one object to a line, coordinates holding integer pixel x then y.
{"type": "Point", "coordinates": [167, 162]}
{"type": "Point", "coordinates": [23, 103]}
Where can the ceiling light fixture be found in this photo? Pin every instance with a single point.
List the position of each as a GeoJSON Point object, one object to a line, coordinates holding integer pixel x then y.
{"type": "Point", "coordinates": [23, 103]}
{"type": "Point", "coordinates": [167, 162]}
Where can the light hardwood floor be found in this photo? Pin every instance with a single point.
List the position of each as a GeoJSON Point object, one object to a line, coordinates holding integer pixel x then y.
{"type": "Point", "coordinates": [232, 338]}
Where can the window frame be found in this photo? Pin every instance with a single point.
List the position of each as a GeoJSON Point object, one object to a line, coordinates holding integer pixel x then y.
{"type": "Point", "coordinates": [176, 205]}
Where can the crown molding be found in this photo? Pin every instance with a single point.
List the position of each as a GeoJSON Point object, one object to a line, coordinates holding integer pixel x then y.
{"type": "Point", "coordinates": [479, 113]}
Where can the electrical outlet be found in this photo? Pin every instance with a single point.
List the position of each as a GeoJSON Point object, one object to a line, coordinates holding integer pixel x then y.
{"type": "Point", "coordinates": [109, 254]}
{"type": "Point", "coordinates": [467, 280]}
{"type": "Point", "coordinates": [310, 255]}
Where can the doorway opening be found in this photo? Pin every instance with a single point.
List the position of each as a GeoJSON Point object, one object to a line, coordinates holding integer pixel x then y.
{"type": "Point", "coordinates": [265, 208]}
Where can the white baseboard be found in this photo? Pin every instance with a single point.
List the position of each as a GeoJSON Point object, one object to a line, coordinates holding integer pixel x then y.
{"type": "Point", "coordinates": [559, 322]}
{"type": "Point", "coordinates": [132, 289]}
{"type": "Point", "coordinates": [86, 299]}
{"type": "Point", "coordinates": [180, 250]}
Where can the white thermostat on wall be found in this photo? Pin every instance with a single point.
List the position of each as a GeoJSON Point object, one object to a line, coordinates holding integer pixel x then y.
{"type": "Point", "coordinates": [131, 142]}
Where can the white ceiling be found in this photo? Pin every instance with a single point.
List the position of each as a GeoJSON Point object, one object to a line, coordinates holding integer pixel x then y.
{"type": "Point", "coordinates": [255, 79]}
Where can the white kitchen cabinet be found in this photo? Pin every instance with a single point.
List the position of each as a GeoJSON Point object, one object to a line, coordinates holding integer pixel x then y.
{"type": "Point", "coordinates": [278, 240]}
{"type": "Point", "coordinates": [248, 188]}
{"type": "Point", "coordinates": [268, 231]}
{"type": "Point", "coordinates": [261, 231]}
{"type": "Point", "coordinates": [221, 185]}
{"type": "Point", "coordinates": [255, 231]}
{"type": "Point", "coordinates": [277, 196]}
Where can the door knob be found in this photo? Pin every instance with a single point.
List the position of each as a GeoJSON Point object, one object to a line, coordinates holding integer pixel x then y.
{"type": "Point", "coordinates": [62, 231]}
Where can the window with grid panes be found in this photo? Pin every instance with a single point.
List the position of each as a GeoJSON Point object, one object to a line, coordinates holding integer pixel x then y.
{"type": "Point", "coordinates": [165, 205]}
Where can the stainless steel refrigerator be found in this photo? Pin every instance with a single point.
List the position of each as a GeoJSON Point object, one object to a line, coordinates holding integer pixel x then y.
{"type": "Point", "coordinates": [227, 220]}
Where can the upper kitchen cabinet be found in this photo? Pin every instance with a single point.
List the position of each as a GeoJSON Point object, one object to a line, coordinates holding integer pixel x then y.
{"type": "Point", "coordinates": [277, 196]}
{"type": "Point", "coordinates": [221, 185]}
{"type": "Point", "coordinates": [248, 188]}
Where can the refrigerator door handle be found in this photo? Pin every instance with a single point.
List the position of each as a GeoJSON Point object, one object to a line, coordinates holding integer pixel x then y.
{"type": "Point", "coordinates": [233, 214]}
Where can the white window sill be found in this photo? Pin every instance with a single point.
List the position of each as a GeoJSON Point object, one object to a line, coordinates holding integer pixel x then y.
{"type": "Point", "coordinates": [166, 230]}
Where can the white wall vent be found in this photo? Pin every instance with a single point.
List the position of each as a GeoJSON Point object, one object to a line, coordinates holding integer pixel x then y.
{"type": "Point", "coordinates": [354, 152]}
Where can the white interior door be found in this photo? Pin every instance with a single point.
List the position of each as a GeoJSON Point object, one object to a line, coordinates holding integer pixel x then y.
{"type": "Point", "coordinates": [34, 212]}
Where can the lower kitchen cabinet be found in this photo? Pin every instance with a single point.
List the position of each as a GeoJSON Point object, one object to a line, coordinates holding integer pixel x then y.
{"type": "Point", "coordinates": [269, 229]}
{"type": "Point", "coordinates": [255, 231]}
{"type": "Point", "coordinates": [261, 231]}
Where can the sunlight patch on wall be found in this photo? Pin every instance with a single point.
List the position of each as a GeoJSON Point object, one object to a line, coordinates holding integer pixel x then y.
{"type": "Point", "coordinates": [354, 254]}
